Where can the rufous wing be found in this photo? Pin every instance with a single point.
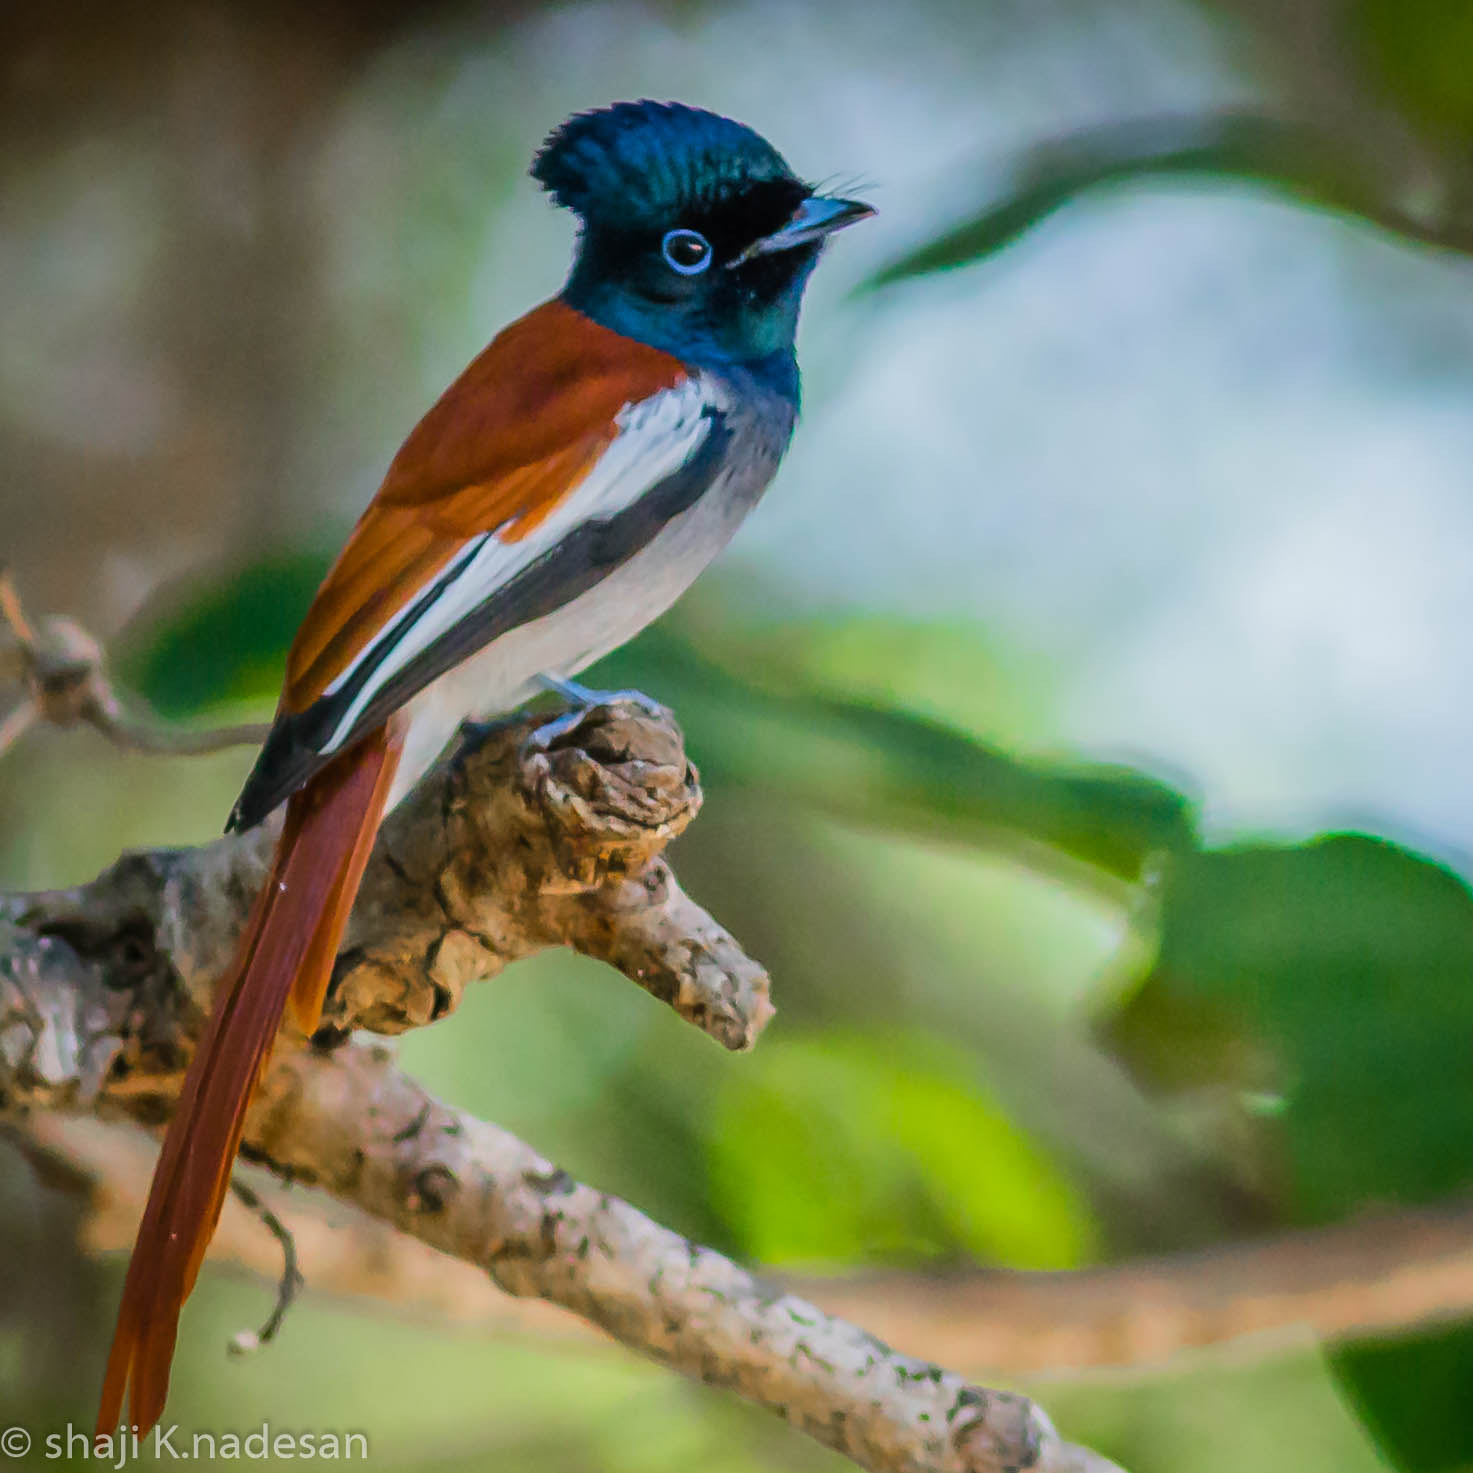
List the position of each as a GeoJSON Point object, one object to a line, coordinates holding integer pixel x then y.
{"type": "Point", "coordinates": [507, 442]}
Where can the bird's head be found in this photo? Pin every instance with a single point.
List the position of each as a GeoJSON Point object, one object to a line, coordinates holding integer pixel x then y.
{"type": "Point", "coordinates": [697, 237]}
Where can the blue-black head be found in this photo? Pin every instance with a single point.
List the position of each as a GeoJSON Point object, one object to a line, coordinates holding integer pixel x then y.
{"type": "Point", "coordinates": [697, 237]}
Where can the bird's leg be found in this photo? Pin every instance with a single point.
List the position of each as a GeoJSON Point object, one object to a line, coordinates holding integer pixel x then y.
{"type": "Point", "coordinates": [573, 693]}
{"type": "Point", "coordinates": [581, 700]}
{"type": "Point", "coordinates": [581, 696]}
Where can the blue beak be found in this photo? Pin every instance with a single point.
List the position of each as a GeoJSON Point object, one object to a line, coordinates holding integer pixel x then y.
{"type": "Point", "coordinates": [817, 217]}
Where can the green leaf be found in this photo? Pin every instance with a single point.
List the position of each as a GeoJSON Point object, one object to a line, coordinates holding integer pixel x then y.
{"type": "Point", "coordinates": [1419, 51]}
{"type": "Point", "coordinates": [1415, 1395]}
{"type": "Point", "coordinates": [854, 1149]}
{"type": "Point", "coordinates": [898, 770]}
{"type": "Point", "coordinates": [1290, 158]}
{"type": "Point", "coordinates": [221, 641]}
{"type": "Point", "coordinates": [1325, 988]}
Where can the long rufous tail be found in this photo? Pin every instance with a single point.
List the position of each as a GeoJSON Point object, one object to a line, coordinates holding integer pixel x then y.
{"type": "Point", "coordinates": [285, 956]}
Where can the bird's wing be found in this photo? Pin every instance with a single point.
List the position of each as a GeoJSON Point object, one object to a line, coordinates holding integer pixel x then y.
{"type": "Point", "coordinates": [560, 451]}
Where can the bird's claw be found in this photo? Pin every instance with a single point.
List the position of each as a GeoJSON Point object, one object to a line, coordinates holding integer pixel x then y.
{"type": "Point", "coordinates": [581, 701]}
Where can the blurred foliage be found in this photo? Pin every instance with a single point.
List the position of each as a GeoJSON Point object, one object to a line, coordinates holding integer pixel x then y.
{"type": "Point", "coordinates": [884, 1150]}
{"type": "Point", "coordinates": [1302, 162]}
{"type": "Point", "coordinates": [1280, 1029]}
{"type": "Point", "coordinates": [1416, 1395]}
{"type": "Point", "coordinates": [1418, 52]}
{"type": "Point", "coordinates": [1331, 978]}
{"type": "Point", "coordinates": [225, 639]}
{"type": "Point", "coordinates": [1307, 1007]}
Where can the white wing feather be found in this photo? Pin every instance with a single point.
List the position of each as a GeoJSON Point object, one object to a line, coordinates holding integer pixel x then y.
{"type": "Point", "coordinates": [656, 437]}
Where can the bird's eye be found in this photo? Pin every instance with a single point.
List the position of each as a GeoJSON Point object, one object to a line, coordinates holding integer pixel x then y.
{"type": "Point", "coordinates": [686, 251]}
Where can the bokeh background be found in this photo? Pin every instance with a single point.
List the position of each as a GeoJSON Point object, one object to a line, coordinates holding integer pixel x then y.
{"type": "Point", "coordinates": [1085, 716]}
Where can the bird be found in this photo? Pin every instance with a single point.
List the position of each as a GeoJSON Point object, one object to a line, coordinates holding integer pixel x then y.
{"type": "Point", "coordinates": [560, 495]}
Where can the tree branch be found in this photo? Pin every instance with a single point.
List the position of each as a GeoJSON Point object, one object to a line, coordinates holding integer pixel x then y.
{"type": "Point", "coordinates": [513, 846]}
{"type": "Point", "coordinates": [62, 672]}
{"type": "Point", "coordinates": [1385, 1273]}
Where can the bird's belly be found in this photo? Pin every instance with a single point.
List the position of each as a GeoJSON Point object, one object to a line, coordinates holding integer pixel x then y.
{"type": "Point", "coordinates": [501, 676]}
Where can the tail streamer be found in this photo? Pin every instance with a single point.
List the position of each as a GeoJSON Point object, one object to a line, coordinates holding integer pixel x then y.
{"type": "Point", "coordinates": [285, 957]}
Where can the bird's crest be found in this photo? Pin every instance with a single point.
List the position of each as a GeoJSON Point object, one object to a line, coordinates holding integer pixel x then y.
{"type": "Point", "coordinates": [639, 161]}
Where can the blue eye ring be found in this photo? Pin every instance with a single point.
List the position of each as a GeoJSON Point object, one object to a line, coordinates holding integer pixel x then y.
{"type": "Point", "coordinates": [677, 247]}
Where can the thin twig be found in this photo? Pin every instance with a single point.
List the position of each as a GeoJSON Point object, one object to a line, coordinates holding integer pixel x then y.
{"type": "Point", "coordinates": [163, 741]}
{"type": "Point", "coordinates": [64, 671]}
{"type": "Point", "coordinates": [10, 608]}
{"type": "Point", "coordinates": [17, 724]}
{"type": "Point", "coordinates": [288, 1286]}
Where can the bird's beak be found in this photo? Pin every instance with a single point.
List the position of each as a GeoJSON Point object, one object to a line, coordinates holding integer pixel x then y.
{"type": "Point", "coordinates": [817, 217]}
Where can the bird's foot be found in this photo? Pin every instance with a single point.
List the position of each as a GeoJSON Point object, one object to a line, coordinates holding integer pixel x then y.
{"type": "Point", "coordinates": [581, 700]}
{"type": "Point", "coordinates": [581, 697]}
